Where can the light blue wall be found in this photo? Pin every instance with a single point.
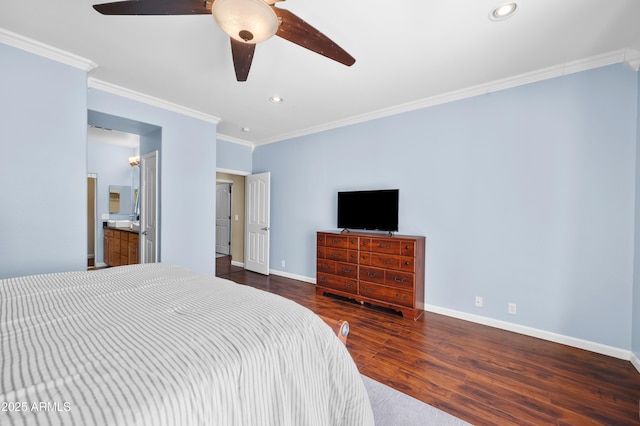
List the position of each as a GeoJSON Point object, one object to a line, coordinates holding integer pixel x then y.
{"type": "Point", "coordinates": [234, 156]}
{"type": "Point", "coordinates": [43, 165]}
{"type": "Point", "coordinates": [525, 195]}
{"type": "Point", "coordinates": [636, 281]}
{"type": "Point", "coordinates": [187, 179]}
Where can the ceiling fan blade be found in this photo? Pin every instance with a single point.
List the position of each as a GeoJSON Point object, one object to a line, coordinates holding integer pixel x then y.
{"type": "Point", "coordinates": [155, 7]}
{"type": "Point", "coordinates": [242, 58]}
{"type": "Point", "coordinates": [297, 31]}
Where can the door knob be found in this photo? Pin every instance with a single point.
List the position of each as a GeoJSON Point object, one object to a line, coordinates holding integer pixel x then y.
{"type": "Point", "coordinates": [266, 228]}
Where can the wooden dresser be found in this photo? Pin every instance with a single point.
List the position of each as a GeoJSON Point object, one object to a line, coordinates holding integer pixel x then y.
{"type": "Point", "coordinates": [382, 270]}
{"type": "Point", "coordinates": [120, 247]}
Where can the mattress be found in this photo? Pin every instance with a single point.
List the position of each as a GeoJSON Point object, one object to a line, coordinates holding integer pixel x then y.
{"type": "Point", "coordinates": [157, 344]}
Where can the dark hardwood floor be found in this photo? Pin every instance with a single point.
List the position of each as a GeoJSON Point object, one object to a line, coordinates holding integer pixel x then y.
{"type": "Point", "coordinates": [480, 374]}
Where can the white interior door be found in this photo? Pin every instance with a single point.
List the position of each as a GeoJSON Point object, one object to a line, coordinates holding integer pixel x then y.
{"type": "Point", "coordinates": [149, 207]}
{"type": "Point", "coordinates": [223, 218]}
{"type": "Point", "coordinates": [257, 190]}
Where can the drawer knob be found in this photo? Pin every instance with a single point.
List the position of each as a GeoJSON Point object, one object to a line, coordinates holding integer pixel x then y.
{"type": "Point", "coordinates": [385, 261]}
{"type": "Point", "coordinates": [402, 296]}
{"type": "Point", "coordinates": [385, 246]}
{"type": "Point", "coordinates": [348, 285]}
{"type": "Point", "coordinates": [372, 274]}
{"type": "Point", "coordinates": [347, 270]}
{"type": "Point", "coordinates": [368, 289]}
{"type": "Point", "coordinates": [399, 280]}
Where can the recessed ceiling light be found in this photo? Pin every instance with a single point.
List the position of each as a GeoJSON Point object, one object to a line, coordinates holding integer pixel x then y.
{"type": "Point", "coordinates": [503, 11]}
{"type": "Point", "coordinates": [246, 129]}
{"type": "Point", "coordinates": [276, 99]}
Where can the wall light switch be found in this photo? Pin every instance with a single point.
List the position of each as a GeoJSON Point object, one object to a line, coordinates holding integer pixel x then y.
{"type": "Point", "coordinates": [236, 218]}
{"type": "Point", "coordinates": [105, 216]}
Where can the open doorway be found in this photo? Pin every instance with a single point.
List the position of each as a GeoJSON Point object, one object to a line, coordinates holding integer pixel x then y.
{"type": "Point", "coordinates": [117, 147]}
{"type": "Point", "coordinates": [237, 216]}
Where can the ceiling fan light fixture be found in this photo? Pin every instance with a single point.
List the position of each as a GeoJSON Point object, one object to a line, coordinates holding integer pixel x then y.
{"type": "Point", "coordinates": [503, 11]}
{"type": "Point", "coordinates": [248, 21]}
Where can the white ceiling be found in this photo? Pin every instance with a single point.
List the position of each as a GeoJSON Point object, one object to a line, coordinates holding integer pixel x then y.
{"type": "Point", "coordinates": [409, 53]}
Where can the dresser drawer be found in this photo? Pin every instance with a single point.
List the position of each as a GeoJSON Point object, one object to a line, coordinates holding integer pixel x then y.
{"type": "Point", "coordinates": [388, 294]}
{"type": "Point", "coordinates": [408, 248]}
{"type": "Point", "coordinates": [385, 261]}
{"type": "Point", "coordinates": [348, 270]}
{"type": "Point", "coordinates": [408, 264]}
{"type": "Point", "coordinates": [321, 239]}
{"type": "Point", "coordinates": [338, 283]}
{"type": "Point", "coordinates": [365, 258]}
{"type": "Point", "coordinates": [385, 246]}
{"type": "Point", "coordinates": [354, 243]}
{"type": "Point", "coordinates": [325, 265]}
{"type": "Point", "coordinates": [337, 254]}
{"type": "Point", "coordinates": [322, 252]}
{"type": "Point", "coordinates": [365, 244]}
{"type": "Point", "coordinates": [340, 241]}
{"type": "Point", "coordinates": [374, 275]}
{"type": "Point", "coordinates": [399, 279]}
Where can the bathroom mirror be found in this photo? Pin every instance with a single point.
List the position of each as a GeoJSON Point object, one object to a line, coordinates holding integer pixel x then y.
{"type": "Point", "coordinates": [120, 199]}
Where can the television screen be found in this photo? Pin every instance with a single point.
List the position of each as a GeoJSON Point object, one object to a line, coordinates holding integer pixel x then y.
{"type": "Point", "coordinates": [368, 210]}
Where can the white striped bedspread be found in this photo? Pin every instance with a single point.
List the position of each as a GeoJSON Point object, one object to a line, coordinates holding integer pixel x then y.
{"type": "Point", "coordinates": [157, 344]}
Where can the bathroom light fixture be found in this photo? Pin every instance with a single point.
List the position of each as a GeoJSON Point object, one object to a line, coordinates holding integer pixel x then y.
{"type": "Point", "coordinates": [134, 161]}
{"type": "Point", "coordinates": [248, 21]}
{"type": "Point", "coordinates": [246, 129]}
{"type": "Point", "coordinates": [276, 99]}
{"type": "Point", "coordinates": [503, 11]}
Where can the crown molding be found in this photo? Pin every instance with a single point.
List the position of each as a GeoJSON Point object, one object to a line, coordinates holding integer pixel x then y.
{"type": "Point", "coordinates": [94, 83]}
{"type": "Point", "coordinates": [32, 46]}
{"type": "Point", "coordinates": [632, 59]}
{"type": "Point", "coordinates": [231, 139]}
{"type": "Point", "coordinates": [624, 55]}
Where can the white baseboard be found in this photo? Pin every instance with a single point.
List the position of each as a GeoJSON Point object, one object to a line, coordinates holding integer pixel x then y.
{"type": "Point", "coordinates": [534, 332]}
{"type": "Point", "coordinates": [292, 276]}
{"type": "Point", "coordinates": [635, 361]}
{"type": "Point", "coordinates": [239, 264]}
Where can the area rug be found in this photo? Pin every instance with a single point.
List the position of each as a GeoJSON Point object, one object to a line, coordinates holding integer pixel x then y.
{"type": "Point", "coordinates": [391, 408]}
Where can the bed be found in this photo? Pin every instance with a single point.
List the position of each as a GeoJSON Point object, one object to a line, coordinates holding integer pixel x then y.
{"type": "Point", "coordinates": [157, 344]}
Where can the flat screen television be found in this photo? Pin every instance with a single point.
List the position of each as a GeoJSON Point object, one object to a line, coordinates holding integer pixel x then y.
{"type": "Point", "coordinates": [369, 210]}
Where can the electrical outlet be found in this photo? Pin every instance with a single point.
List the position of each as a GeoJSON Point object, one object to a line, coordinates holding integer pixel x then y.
{"type": "Point", "coordinates": [512, 308]}
{"type": "Point", "coordinates": [478, 301]}
{"type": "Point", "coordinates": [283, 263]}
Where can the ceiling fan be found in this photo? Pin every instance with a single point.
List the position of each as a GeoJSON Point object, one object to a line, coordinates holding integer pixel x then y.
{"type": "Point", "coordinates": [247, 22]}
